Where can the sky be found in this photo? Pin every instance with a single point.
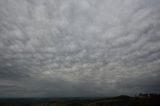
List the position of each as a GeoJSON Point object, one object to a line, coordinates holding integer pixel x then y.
{"type": "Point", "coordinates": [79, 48]}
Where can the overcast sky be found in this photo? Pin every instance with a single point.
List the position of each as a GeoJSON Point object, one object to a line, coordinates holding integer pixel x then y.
{"type": "Point", "coordinates": [66, 48]}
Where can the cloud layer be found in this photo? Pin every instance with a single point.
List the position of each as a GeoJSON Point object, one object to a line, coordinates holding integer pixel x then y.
{"type": "Point", "coordinates": [79, 47]}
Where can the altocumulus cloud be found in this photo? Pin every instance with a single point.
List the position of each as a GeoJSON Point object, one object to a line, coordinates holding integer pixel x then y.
{"type": "Point", "coordinates": [79, 47]}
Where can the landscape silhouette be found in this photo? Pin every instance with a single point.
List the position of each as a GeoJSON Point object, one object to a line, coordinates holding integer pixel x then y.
{"type": "Point", "coordinates": [123, 100]}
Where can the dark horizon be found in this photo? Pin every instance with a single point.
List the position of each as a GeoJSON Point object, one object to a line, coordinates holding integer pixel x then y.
{"type": "Point", "coordinates": [79, 96]}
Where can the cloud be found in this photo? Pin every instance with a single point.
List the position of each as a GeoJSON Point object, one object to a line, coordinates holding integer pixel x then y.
{"type": "Point", "coordinates": [79, 48]}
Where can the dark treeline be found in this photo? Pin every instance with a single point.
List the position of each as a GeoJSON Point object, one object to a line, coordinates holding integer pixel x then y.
{"type": "Point", "coordinates": [143, 99]}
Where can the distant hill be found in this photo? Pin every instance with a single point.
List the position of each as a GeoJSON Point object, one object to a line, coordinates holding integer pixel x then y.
{"type": "Point", "coordinates": [141, 100]}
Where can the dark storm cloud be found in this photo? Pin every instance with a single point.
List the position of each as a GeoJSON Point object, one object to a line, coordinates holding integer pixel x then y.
{"type": "Point", "coordinates": [79, 47]}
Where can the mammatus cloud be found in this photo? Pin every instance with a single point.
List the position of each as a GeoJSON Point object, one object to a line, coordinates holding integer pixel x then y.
{"type": "Point", "coordinates": [79, 47]}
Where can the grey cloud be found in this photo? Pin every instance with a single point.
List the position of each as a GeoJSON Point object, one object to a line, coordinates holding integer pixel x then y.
{"type": "Point", "coordinates": [79, 48]}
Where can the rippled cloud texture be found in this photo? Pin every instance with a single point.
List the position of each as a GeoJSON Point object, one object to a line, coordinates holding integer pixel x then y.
{"type": "Point", "coordinates": [79, 47]}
